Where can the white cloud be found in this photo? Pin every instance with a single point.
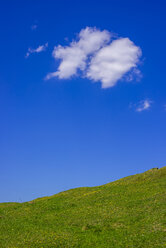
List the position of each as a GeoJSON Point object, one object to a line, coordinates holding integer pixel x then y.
{"type": "Point", "coordinates": [37, 50]}
{"type": "Point", "coordinates": [143, 105]}
{"type": "Point", "coordinates": [113, 61]}
{"type": "Point", "coordinates": [74, 56]}
{"type": "Point", "coordinates": [97, 58]}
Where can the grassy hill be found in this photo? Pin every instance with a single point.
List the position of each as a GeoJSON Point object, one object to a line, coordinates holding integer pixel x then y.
{"type": "Point", "coordinates": [130, 212]}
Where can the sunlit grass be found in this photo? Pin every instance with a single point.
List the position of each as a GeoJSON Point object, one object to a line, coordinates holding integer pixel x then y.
{"type": "Point", "coordinates": [130, 212]}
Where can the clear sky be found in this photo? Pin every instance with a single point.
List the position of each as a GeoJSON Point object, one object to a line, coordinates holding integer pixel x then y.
{"type": "Point", "coordinates": [87, 112]}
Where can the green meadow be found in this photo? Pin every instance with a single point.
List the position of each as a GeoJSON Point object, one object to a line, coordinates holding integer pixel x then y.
{"type": "Point", "coordinates": [128, 213]}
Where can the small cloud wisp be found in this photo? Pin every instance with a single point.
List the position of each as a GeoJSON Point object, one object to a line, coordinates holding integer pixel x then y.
{"type": "Point", "coordinates": [37, 50]}
{"type": "Point", "coordinates": [144, 105]}
{"type": "Point", "coordinates": [34, 27]}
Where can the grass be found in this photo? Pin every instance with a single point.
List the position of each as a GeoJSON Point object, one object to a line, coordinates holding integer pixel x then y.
{"type": "Point", "coordinates": [130, 212]}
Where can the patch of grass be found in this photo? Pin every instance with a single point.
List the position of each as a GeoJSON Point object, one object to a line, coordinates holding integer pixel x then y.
{"type": "Point", "coordinates": [128, 213]}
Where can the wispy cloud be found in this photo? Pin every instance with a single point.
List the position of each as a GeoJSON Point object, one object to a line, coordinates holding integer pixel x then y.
{"type": "Point", "coordinates": [143, 105]}
{"type": "Point", "coordinates": [34, 26]}
{"type": "Point", "coordinates": [165, 107]}
{"type": "Point", "coordinates": [96, 56]}
{"type": "Point", "coordinates": [135, 74]}
{"type": "Point", "coordinates": [36, 50]}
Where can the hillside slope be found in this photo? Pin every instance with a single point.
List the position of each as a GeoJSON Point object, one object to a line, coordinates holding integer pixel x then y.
{"type": "Point", "coordinates": [130, 212]}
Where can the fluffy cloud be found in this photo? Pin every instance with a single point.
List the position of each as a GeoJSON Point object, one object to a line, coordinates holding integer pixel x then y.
{"type": "Point", "coordinates": [113, 61]}
{"type": "Point", "coordinates": [97, 58]}
{"type": "Point", "coordinates": [37, 50]}
{"type": "Point", "coordinates": [143, 105]}
{"type": "Point", "coordinates": [74, 56]}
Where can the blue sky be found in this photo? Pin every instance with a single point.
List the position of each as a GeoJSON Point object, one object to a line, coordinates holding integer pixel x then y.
{"type": "Point", "coordinates": [83, 126]}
